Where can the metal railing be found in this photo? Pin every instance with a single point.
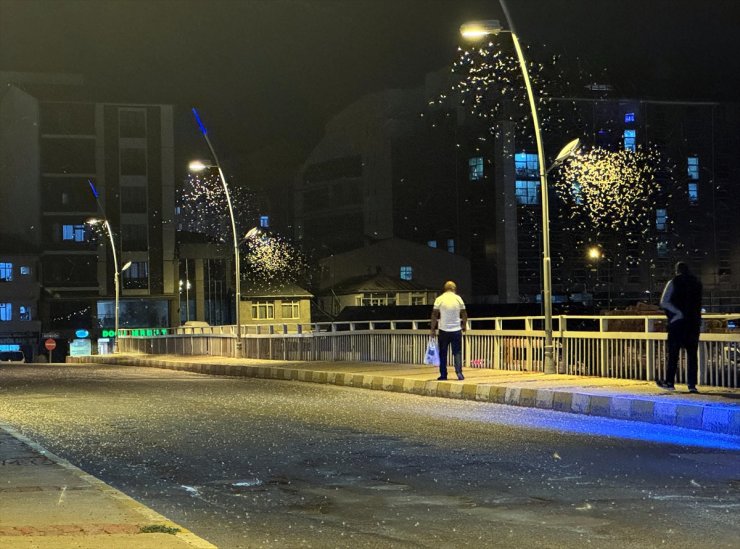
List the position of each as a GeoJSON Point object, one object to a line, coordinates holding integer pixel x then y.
{"type": "Point", "coordinates": [626, 347]}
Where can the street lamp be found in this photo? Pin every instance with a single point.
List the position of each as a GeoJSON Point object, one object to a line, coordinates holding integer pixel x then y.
{"type": "Point", "coordinates": [476, 30]}
{"type": "Point", "coordinates": [116, 272]}
{"type": "Point", "coordinates": [197, 166]}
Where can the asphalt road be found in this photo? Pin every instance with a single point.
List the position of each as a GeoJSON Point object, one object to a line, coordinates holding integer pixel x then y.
{"type": "Point", "coordinates": [256, 463]}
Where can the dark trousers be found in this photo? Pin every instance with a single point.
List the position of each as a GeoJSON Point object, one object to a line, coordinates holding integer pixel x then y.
{"type": "Point", "coordinates": [682, 336]}
{"type": "Point", "coordinates": [445, 340]}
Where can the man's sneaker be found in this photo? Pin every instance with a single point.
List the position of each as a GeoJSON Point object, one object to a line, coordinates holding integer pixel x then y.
{"type": "Point", "coordinates": [693, 390]}
{"type": "Point", "coordinates": [663, 385]}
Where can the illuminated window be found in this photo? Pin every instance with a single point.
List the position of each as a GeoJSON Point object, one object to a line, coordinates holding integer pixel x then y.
{"type": "Point", "coordinates": [575, 190]}
{"type": "Point", "coordinates": [693, 193]}
{"type": "Point", "coordinates": [136, 276]}
{"type": "Point", "coordinates": [662, 248]}
{"type": "Point", "coordinates": [630, 140]}
{"type": "Point", "coordinates": [73, 233]}
{"type": "Point", "coordinates": [661, 219]}
{"type": "Point", "coordinates": [418, 298]}
{"type": "Point", "coordinates": [629, 117]}
{"type": "Point", "coordinates": [290, 309]}
{"type": "Point", "coordinates": [407, 272]}
{"type": "Point", "coordinates": [475, 168]}
{"type": "Point", "coordinates": [432, 243]}
{"type": "Point", "coordinates": [265, 221]}
{"type": "Point", "coordinates": [263, 310]}
{"type": "Point", "coordinates": [25, 270]}
{"type": "Point", "coordinates": [6, 272]}
{"type": "Point", "coordinates": [24, 313]}
{"type": "Point", "coordinates": [451, 245]}
{"type": "Point", "coordinates": [6, 311]}
{"type": "Point", "coordinates": [527, 192]}
{"type": "Point", "coordinates": [526, 165]}
{"type": "Point", "coordinates": [693, 167]}
{"type": "Point", "coordinates": [375, 298]}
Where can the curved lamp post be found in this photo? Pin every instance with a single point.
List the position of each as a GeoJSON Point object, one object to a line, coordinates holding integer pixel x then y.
{"type": "Point", "coordinates": [116, 272]}
{"type": "Point", "coordinates": [197, 166]}
{"type": "Point", "coordinates": [476, 30]}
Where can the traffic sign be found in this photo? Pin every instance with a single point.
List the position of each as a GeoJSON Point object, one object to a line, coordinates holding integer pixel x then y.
{"type": "Point", "coordinates": [50, 344]}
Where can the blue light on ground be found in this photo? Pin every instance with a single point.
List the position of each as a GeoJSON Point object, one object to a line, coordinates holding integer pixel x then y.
{"type": "Point", "coordinates": [597, 426]}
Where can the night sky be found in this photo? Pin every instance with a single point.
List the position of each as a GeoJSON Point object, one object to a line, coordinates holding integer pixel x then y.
{"type": "Point", "coordinates": [271, 73]}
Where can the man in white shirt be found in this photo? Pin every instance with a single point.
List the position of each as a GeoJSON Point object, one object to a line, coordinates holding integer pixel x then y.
{"type": "Point", "coordinates": [450, 316]}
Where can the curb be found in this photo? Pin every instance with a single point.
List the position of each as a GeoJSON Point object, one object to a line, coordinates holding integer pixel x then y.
{"type": "Point", "coordinates": [183, 534]}
{"type": "Point", "coordinates": [715, 418]}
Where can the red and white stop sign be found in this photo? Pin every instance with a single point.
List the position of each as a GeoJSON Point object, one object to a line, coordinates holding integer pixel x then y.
{"type": "Point", "coordinates": [50, 344]}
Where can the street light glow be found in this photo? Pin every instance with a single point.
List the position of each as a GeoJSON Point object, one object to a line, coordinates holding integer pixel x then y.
{"type": "Point", "coordinates": [126, 266]}
{"type": "Point", "coordinates": [594, 252]}
{"type": "Point", "coordinates": [198, 166]}
{"type": "Point", "coordinates": [475, 30]}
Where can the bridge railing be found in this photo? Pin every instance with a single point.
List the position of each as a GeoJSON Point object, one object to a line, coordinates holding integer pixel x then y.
{"type": "Point", "coordinates": [627, 347]}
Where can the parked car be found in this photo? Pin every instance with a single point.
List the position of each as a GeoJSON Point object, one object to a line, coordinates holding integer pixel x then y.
{"type": "Point", "coordinates": [12, 356]}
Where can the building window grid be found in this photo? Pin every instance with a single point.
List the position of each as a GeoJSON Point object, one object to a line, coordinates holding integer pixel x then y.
{"type": "Point", "coordinates": [265, 221]}
{"type": "Point", "coordinates": [526, 165]}
{"type": "Point", "coordinates": [290, 310]}
{"type": "Point", "coordinates": [432, 243]}
{"type": "Point", "coordinates": [475, 168]}
{"type": "Point", "coordinates": [630, 140]}
{"type": "Point", "coordinates": [693, 167]}
{"type": "Point", "coordinates": [371, 299]}
{"type": "Point", "coordinates": [24, 313]}
{"type": "Point", "coordinates": [407, 272]}
{"type": "Point", "coordinates": [74, 233]}
{"type": "Point", "coordinates": [661, 219]}
{"type": "Point", "coordinates": [6, 312]}
{"type": "Point", "coordinates": [629, 117]}
{"type": "Point", "coordinates": [693, 191]}
{"type": "Point", "coordinates": [263, 310]}
{"type": "Point", "coordinates": [527, 192]}
{"type": "Point", "coordinates": [6, 272]}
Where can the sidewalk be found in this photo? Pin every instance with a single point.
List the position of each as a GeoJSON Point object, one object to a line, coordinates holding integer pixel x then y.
{"type": "Point", "coordinates": [714, 409]}
{"type": "Point", "coordinates": [46, 502]}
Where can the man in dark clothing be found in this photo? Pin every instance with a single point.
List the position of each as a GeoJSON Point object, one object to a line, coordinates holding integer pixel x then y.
{"type": "Point", "coordinates": [681, 301]}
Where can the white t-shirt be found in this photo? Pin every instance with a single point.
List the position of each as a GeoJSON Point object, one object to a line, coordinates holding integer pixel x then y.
{"type": "Point", "coordinates": [449, 305]}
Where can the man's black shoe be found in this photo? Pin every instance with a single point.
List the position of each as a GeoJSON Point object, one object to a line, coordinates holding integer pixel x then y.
{"type": "Point", "coordinates": [440, 378]}
{"type": "Point", "coordinates": [694, 390]}
{"type": "Point", "coordinates": [460, 376]}
{"type": "Point", "coordinates": [663, 385]}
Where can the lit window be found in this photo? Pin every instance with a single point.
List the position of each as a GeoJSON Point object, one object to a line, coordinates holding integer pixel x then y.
{"type": "Point", "coordinates": [136, 276]}
{"type": "Point", "coordinates": [25, 270]}
{"type": "Point", "coordinates": [407, 272]}
{"type": "Point", "coordinates": [6, 311]}
{"type": "Point", "coordinates": [527, 192]}
{"type": "Point", "coordinates": [290, 309]}
{"type": "Point", "coordinates": [629, 117]}
{"type": "Point", "coordinates": [376, 298]}
{"type": "Point", "coordinates": [661, 219]}
{"type": "Point", "coordinates": [575, 190]}
{"type": "Point", "coordinates": [526, 165]}
{"type": "Point", "coordinates": [263, 310]}
{"type": "Point", "coordinates": [432, 243]}
{"type": "Point", "coordinates": [6, 272]}
{"type": "Point", "coordinates": [475, 168]}
{"type": "Point", "coordinates": [693, 167]}
{"type": "Point", "coordinates": [630, 140]}
{"type": "Point", "coordinates": [24, 313]}
{"type": "Point", "coordinates": [451, 245]}
{"type": "Point", "coordinates": [418, 298]}
{"type": "Point", "coordinates": [693, 193]}
{"type": "Point", "coordinates": [265, 221]}
{"type": "Point", "coordinates": [662, 248]}
{"type": "Point", "coordinates": [74, 233]}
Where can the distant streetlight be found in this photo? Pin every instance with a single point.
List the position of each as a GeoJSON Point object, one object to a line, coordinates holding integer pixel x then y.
{"type": "Point", "coordinates": [197, 166]}
{"type": "Point", "coordinates": [596, 254]}
{"type": "Point", "coordinates": [476, 30]}
{"type": "Point", "coordinates": [116, 272]}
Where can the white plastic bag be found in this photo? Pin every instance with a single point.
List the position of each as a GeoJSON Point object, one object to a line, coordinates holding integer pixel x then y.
{"type": "Point", "coordinates": [432, 355]}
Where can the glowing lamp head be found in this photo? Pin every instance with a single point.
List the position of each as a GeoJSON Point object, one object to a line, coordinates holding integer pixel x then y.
{"type": "Point", "coordinates": [477, 30]}
{"type": "Point", "coordinates": [93, 221]}
{"type": "Point", "coordinates": [126, 266]}
{"type": "Point", "coordinates": [198, 166]}
{"type": "Point", "coordinates": [594, 253]}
